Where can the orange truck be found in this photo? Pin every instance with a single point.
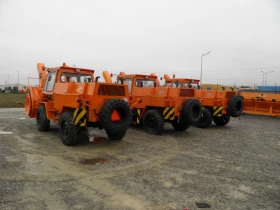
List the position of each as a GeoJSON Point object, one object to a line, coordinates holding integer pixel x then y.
{"type": "Point", "coordinates": [74, 99]}
{"type": "Point", "coordinates": [218, 105]}
{"type": "Point", "coordinates": [153, 105]}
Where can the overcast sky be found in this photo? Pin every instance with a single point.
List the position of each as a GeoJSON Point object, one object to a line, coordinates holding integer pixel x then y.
{"type": "Point", "coordinates": [144, 36]}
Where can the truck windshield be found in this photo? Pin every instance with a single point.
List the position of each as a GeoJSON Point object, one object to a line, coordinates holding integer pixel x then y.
{"type": "Point", "coordinates": [144, 83]}
{"type": "Point", "coordinates": [189, 85]}
{"type": "Point", "coordinates": [174, 84]}
{"type": "Point", "coordinates": [71, 77]}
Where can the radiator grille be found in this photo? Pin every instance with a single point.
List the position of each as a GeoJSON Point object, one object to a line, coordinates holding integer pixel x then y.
{"type": "Point", "coordinates": [229, 94]}
{"type": "Point", "coordinates": [111, 90]}
{"type": "Point", "coordinates": [186, 93]}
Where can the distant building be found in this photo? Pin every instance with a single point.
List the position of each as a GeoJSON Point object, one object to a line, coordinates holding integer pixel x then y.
{"type": "Point", "coordinates": [269, 88]}
{"type": "Point", "coordinates": [217, 87]}
{"type": "Point", "coordinates": [12, 88]}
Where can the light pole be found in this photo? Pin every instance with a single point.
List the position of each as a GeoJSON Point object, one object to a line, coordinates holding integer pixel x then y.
{"type": "Point", "coordinates": [264, 76]}
{"type": "Point", "coordinates": [18, 78]}
{"type": "Point", "coordinates": [8, 81]}
{"type": "Point", "coordinates": [201, 69]}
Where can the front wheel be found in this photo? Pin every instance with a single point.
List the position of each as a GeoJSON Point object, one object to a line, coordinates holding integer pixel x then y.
{"type": "Point", "coordinates": [153, 122]}
{"type": "Point", "coordinates": [180, 126]}
{"type": "Point", "coordinates": [221, 121]}
{"type": "Point", "coordinates": [68, 131]}
{"type": "Point", "coordinates": [43, 123]}
{"type": "Point", "coordinates": [206, 119]}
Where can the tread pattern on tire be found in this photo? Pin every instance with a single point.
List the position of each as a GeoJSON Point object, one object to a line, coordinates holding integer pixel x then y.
{"type": "Point", "coordinates": [206, 119]}
{"type": "Point", "coordinates": [115, 131]}
{"type": "Point", "coordinates": [72, 138]}
{"type": "Point", "coordinates": [187, 111]}
{"type": "Point", "coordinates": [221, 121]}
{"type": "Point", "coordinates": [44, 123]}
{"type": "Point", "coordinates": [231, 109]}
{"type": "Point", "coordinates": [159, 121]}
{"type": "Point", "coordinates": [180, 126]}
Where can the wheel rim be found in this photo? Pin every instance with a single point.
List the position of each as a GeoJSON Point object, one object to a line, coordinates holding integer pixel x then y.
{"type": "Point", "coordinates": [64, 129]}
{"type": "Point", "coordinates": [151, 123]}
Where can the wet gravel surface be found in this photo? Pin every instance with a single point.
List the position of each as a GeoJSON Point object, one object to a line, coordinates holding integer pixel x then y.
{"type": "Point", "coordinates": [232, 167]}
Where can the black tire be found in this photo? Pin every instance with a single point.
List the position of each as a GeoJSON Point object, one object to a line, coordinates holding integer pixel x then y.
{"type": "Point", "coordinates": [235, 106]}
{"type": "Point", "coordinates": [115, 130]}
{"type": "Point", "coordinates": [43, 124]}
{"type": "Point", "coordinates": [68, 131]}
{"type": "Point", "coordinates": [153, 122]}
{"type": "Point", "coordinates": [191, 111]}
{"type": "Point", "coordinates": [221, 121]}
{"type": "Point", "coordinates": [180, 126]}
{"type": "Point", "coordinates": [206, 119]}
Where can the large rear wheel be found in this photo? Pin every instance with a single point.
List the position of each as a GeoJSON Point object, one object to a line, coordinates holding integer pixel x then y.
{"type": "Point", "coordinates": [235, 106]}
{"type": "Point", "coordinates": [191, 111]}
{"type": "Point", "coordinates": [180, 126]}
{"type": "Point", "coordinates": [206, 119]}
{"type": "Point", "coordinates": [153, 122]}
{"type": "Point", "coordinates": [115, 117]}
{"type": "Point", "coordinates": [221, 121]}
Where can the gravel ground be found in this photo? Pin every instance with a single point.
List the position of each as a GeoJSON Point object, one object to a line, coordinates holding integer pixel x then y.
{"type": "Point", "coordinates": [231, 167]}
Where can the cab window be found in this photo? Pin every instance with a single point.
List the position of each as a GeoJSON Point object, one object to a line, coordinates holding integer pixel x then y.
{"type": "Point", "coordinates": [127, 82]}
{"type": "Point", "coordinates": [70, 77]}
{"type": "Point", "coordinates": [144, 83]}
{"type": "Point", "coordinates": [177, 84]}
{"type": "Point", "coordinates": [49, 85]}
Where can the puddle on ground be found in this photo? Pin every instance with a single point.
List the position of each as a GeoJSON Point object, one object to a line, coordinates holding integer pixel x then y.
{"type": "Point", "coordinates": [93, 161]}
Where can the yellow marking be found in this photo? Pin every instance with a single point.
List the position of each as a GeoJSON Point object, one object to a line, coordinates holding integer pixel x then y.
{"type": "Point", "coordinates": [168, 115]}
{"type": "Point", "coordinates": [165, 110]}
{"type": "Point", "coordinates": [218, 110]}
{"type": "Point", "coordinates": [84, 123]}
{"type": "Point", "coordinates": [80, 116]}
{"type": "Point", "coordinates": [173, 117]}
{"type": "Point", "coordinates": [138, 116]}
{"type": "Point", "coordinates": [75, 113]}
{"type": "Point", "coordinates": [219, 115]}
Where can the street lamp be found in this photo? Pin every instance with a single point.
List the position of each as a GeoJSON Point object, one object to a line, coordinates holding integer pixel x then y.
{"type": "Point", "coordinates": [201, 69]}
{"type": "Point", "coordinates": [8, 81]}
{"type": "Point", "coordinates": [264, 76]}
{"type": "Point", "coordinates": [18, 79]}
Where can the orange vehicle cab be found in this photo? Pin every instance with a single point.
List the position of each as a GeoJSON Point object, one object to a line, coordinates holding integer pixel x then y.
{"type": "Point", "coordinates": [158, 104]}
{"type": "Point", "coordinates": [218, 105]}
{"type": "Point", "coordinates": [74, 99]}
